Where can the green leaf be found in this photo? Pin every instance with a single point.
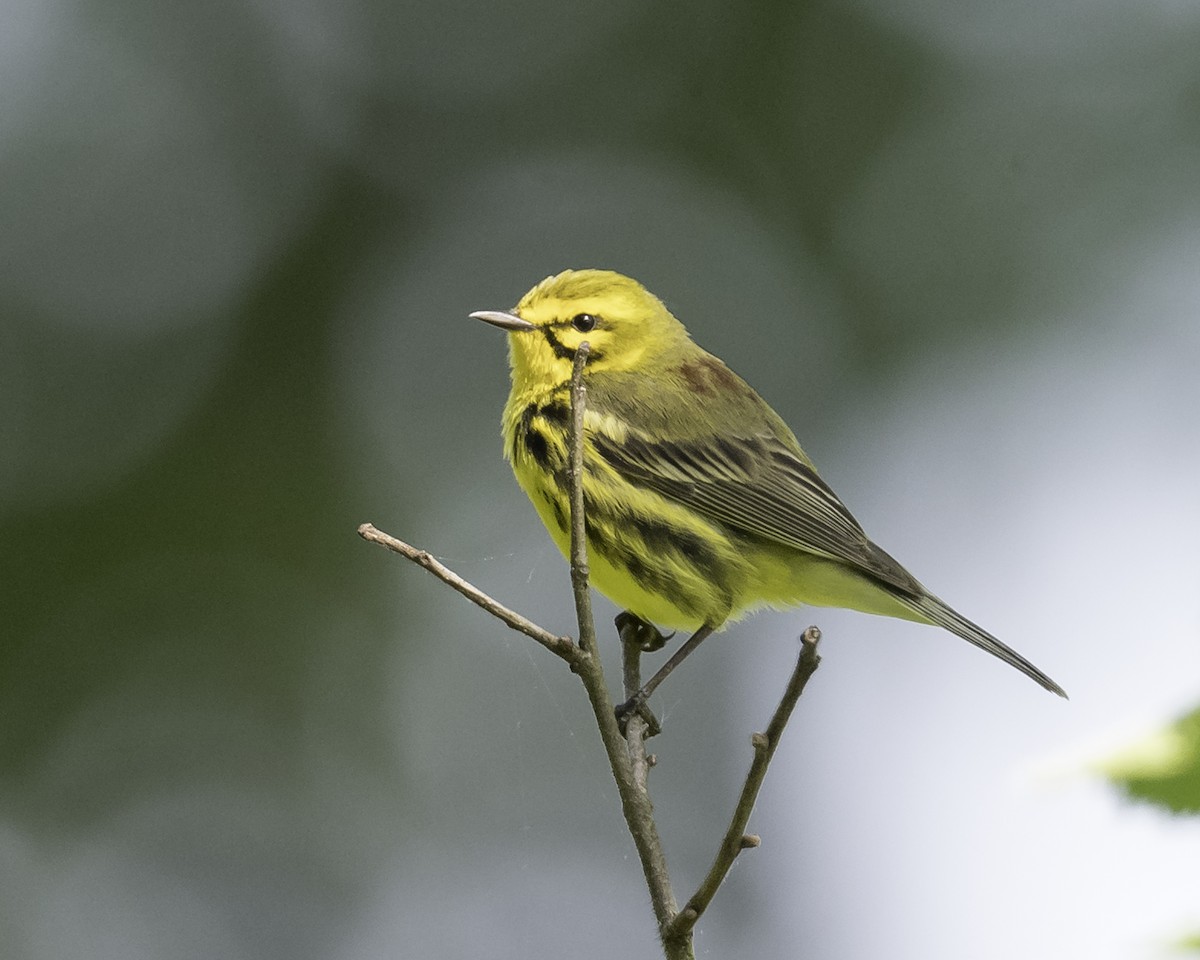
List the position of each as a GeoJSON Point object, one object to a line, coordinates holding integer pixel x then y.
{"type": "Point", "coordinates": [1163, 769]}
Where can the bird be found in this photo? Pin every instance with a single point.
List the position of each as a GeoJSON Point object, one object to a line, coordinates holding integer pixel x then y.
{"type": "Point", "coordinates": [700, 504]}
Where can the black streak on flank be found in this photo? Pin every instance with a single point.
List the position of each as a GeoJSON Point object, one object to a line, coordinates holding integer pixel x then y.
{"type": "Point", "coordinates": [518, 437]}
{"type": "Point", "coordinates": [533, 438]}
{"type": "Point", "coordinates": [556, 505]}
{"type": "Point", "coordinates": [662, 538]}
{"type": "Point", "coordinates": [538, 447]}
{"type": "Point", "coordinates": [653, 580]}
{"type": "Point", "coordinates": [556, 412]}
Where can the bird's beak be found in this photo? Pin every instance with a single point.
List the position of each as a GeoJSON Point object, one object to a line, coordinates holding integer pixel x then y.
{"type": "Point", "coordinates": [505, 321]}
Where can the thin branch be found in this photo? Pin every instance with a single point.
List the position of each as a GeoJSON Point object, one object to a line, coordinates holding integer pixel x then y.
{"type": "Point", "coordinates": [637, 728]}
{"type": "Point", "coordinates": [627, 755]}
{"type": "Point", "coordinates": [579, 560]}
{"type": "Point", "coordinates": [635, 802]}
{"type": "Point", "coordinates": [736, 839]}
{"type": "Point", "coordinates": [562, 646]}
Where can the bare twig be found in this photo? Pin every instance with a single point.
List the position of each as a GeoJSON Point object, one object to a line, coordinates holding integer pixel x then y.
{"type": "Point", "coordinates": [637, 728]}
{"type": "Point", "coordinates": [627, 755]}
{"type": "Point", "coordinates": [579, 560]}
{"type": "Point", "coordinates": [635, 802]}
{"type": "Point", "coordinates": [562, 646]}
{"type": "Point", "coordinates": [736, 839]}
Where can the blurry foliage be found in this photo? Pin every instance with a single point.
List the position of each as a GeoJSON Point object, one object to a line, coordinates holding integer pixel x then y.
{"type": "Point", "coordinates": [240, 241]}
{"type": "Point", "coordinates": [1163, 769]}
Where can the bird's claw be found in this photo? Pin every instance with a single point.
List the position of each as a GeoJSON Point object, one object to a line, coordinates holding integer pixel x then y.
{"type": "Point", "coordinates": [633, 629]}
{"type": "Point", "coordinates": [635, 705]}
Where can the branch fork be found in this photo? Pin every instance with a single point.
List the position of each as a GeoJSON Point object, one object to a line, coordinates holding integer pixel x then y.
{"type": "Point", "coordinates": [626, 750]}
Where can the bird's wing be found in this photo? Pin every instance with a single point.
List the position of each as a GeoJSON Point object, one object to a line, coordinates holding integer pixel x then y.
{"type": "Point", "coordinates": [755, 484]}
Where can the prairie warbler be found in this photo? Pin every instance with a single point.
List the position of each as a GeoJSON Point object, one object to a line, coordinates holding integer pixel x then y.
{"type": "Point", "coordinates": [700, 503]}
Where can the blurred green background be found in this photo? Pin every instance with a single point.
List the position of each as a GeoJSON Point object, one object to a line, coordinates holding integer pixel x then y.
{"type": "Point", "coordinates": [955, 244]}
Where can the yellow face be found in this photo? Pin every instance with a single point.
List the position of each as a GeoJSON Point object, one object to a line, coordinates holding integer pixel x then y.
{"type": "Point", "coordinates": [623, 323]}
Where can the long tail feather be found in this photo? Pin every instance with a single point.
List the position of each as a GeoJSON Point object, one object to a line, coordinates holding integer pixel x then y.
{"type": "Point", "coordinates": [938, 613]}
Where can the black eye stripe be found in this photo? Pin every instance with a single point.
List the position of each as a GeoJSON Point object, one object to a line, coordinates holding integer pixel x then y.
{"type": "Point", "coordinates": [561, 350]}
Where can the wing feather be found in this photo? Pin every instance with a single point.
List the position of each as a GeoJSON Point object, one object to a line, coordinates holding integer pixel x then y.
{"type": "Point", "coordinates": [757, 485]}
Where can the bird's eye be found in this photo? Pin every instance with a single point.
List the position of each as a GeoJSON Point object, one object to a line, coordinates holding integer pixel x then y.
{"type": "Point", "coordinates": [583, 322]}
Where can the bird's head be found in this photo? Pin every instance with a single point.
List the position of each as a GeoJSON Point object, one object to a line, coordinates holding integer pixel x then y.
{"type": "Point", "coordinates": [624, 324]}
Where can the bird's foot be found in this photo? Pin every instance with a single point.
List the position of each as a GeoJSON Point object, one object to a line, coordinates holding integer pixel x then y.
{"type": "Point", "coordinates": [633, 629]}
{"type": "Point", "coordinates": [636, 706]}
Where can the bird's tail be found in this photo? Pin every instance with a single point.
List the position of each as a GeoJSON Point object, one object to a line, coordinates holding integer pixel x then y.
{"type": "Point", "coordinates": [930, 608]}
